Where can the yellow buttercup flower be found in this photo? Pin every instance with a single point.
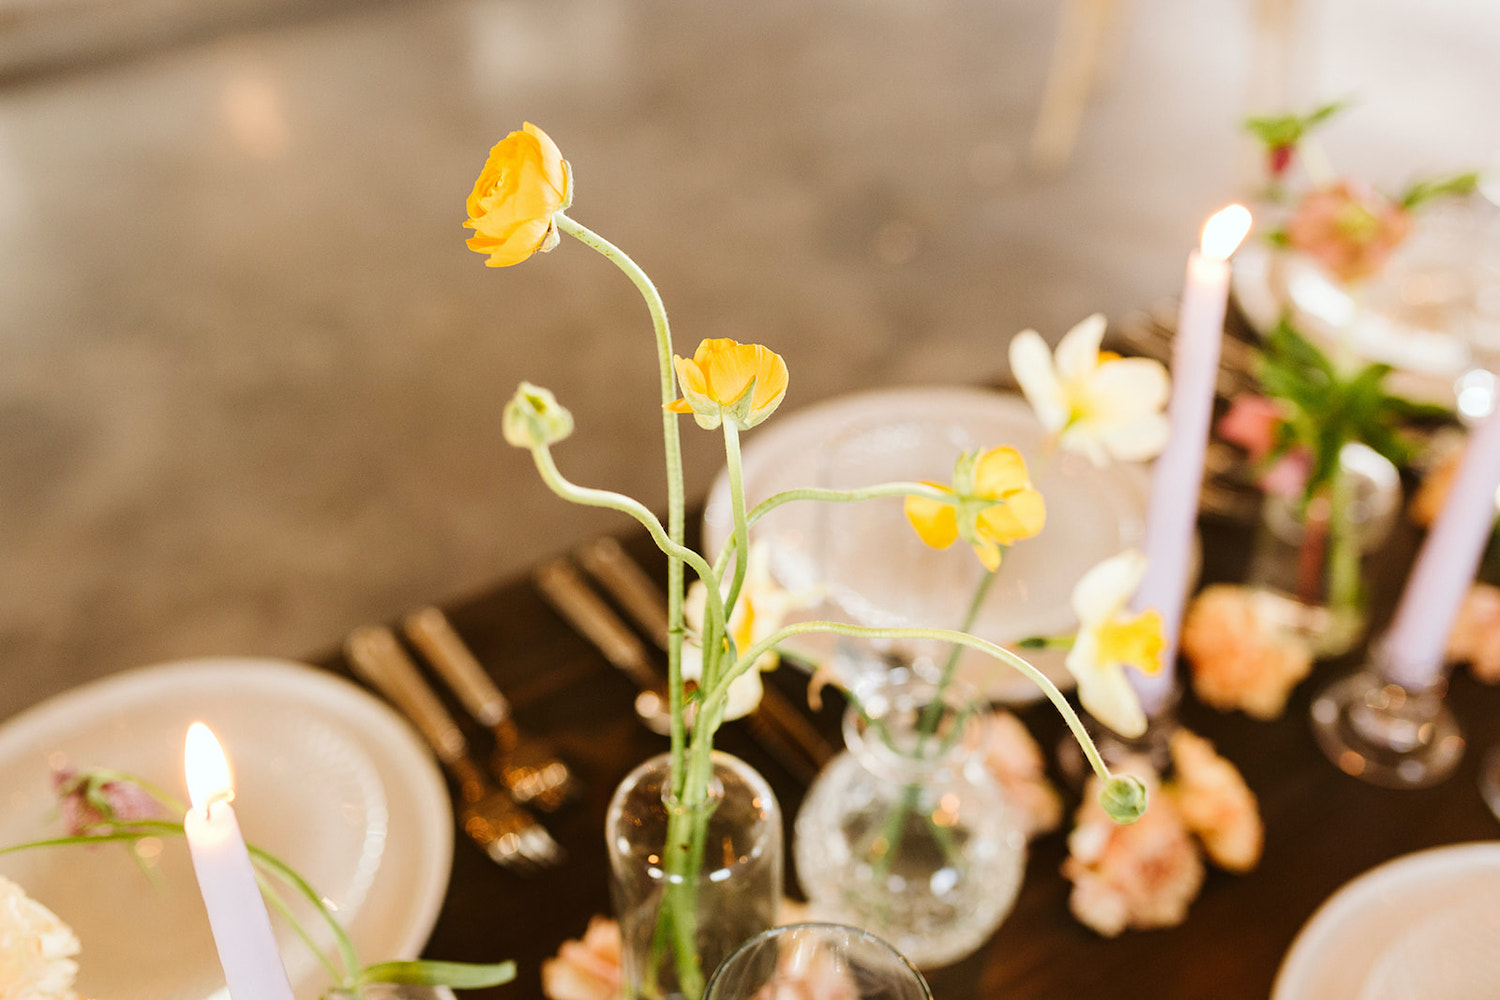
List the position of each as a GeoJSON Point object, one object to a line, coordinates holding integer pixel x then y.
{"type": "Point", "coordinates": [1108, 641]}
{"type": "Point", "coordinates": [726, 380]}
{"type": "Point", "coordinates": [525, 183]}
{"type": "Point", "coordinates": [993, 504]}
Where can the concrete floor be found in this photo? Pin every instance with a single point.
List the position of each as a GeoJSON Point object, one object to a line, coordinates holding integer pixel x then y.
{"type": "Point", "coordinates": [251, 380]}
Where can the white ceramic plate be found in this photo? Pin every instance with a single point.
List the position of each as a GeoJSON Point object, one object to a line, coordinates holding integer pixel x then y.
{"type": "Point", "coordinates": [327, 777]}
{"type": "Point", "coordinates": [1382, 924]}
{"type": "Point", "coordinates": [868, 563]}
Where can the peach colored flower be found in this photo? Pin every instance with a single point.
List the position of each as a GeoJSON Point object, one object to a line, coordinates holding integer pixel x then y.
{"type": "Point", "coordinates": [588, 969]}
{"type": "Point", "coordinates": [1215, 803]}
{"type": "Point", "coordinates": [1476, 633]}
{"type": "Point", "coordinates": [808, 970]}
{"type": "Point", "coordinates": [1349, 228]}
{"type": "Point", "coordinates": [36, 949]}
{"type": "Point", "coordinates": [1139, 876]}
{"type": "Point", "coordinates": [1240, 658]}
{"type": "Point", "coordinates": [1432, 493]}
{"type": "Point", "coordinates": [1015, 760]}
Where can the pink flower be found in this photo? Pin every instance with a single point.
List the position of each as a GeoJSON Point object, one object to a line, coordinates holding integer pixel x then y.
{"type": "Point", "coordinates": [807, 971]}
{"type": "Point", "coordinates": [1240, 658]}
{"type": "Point", "coordinates": [1015, 760]}
{"type": "Point", "coordinates": [87, 801]}
{"type": "Point", "coordinates": [1349, 228]}
{"type": "Point", "coordinates": [1251, 423]}
{"type": "Point", "coordinates": [1139, 876]}
{"type": "Point", "coordinates": [588, 969]}
{"type": "Point", "coordinates": [1476, 633]}
{"type": "Point", "coordinates": [1215, 803]}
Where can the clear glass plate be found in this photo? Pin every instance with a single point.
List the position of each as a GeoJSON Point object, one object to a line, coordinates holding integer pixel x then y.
{"type": "Point", "coordinates": [866, 564]}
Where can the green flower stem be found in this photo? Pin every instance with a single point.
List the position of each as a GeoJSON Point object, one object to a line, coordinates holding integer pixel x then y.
{"type": "Point", "coordinates": [831, 496]}
{"type": "Point", "coordinates": [1048, 642]}
{"type": "Point", "coordinates": [934, 709]}
{"type": "Point", "coordinates": [747, 659]}
{"type": "Point", "coordinates": [588, 497]}
{"type": "Point", "coordinates": [737, 507]}
{"type": "Point", "coordinates": [287, 874]}
{"type": "Point", "coordinates": [1344, 548]}
{"type": "Point", "coordinates": [340, 979]}
{"type": "Point", "coordinates": [676, 518]}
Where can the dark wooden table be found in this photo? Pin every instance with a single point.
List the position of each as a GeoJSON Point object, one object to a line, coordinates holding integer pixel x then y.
{"type": "Point", "coordinates": [1322, 827]}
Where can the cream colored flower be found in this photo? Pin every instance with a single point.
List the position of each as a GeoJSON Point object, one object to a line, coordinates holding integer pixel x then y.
{"type": "Point", "coordinates": [1015, 760]}
{"type": "Point", "coordinates": [1476, 633]}
{"type": "Point", "coordinates": [36, 949]}
{"type": "Point", "coordinates": [1097, 404]}
{"type": "Point", "coordinates": [1239, 657]}
{"type": "Point", "coordinates": [761, 609]}
{"type": "Point", "coordinates": [1108, 641]}
{"type": "Point", "coordinates": [588, 969]}
{"type": "Point", "coordinates": [1139, 876]}
{"type": "Point", "coordinates": [1215, 803]}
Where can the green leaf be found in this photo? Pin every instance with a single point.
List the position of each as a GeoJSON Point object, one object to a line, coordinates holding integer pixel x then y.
{"type": "Point", "coordinates": [1287, 130]}
{"type": "Point", "coordinates": [460, 975]}
{"type": "Point", "coordinates": [1443, 187]}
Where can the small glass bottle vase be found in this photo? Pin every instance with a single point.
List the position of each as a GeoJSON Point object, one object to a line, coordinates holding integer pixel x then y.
{"type": "Point", "coordinates": [1307, 561]}
{"type": "Point", "coordinates": [905, 834]}
{"type": "Point", "coordinates": [690, 883]}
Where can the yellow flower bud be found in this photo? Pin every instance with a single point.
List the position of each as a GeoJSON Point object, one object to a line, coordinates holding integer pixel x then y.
{"type": "Point", "coordinates": [534, 417]}
{"type": "Point", "coordinates": [525, 183]}
{"type": "Point", "coordinates": [725, 380]}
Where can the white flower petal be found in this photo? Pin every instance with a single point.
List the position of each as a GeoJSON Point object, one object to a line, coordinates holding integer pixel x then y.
{"type": "Point", "coordinates": [1101, 593]}
{"type": "Point", "coordinates": [1078, 351]}
{"type": "Point", "coordinates": [692, 662]}
{"type": "Point", "coordinates": [1127, 387]}
{"type": "Point", "coordinates": [1139, 439]}
{"type": "Point", "coordinates": [744, 695]}
{"type": "Point", "coordinates": [1031, 365]}
{"type": "Point", "coordinates": [1104, 691]}
{"type": "Point", "coordinates": [1084, 438]}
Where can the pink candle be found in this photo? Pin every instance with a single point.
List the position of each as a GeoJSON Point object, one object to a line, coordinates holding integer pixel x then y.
{"type": "Point", "coordinates": [236, 912]}
{"type": "Point", "coordinates": [1178, 473]}
{"type": "Point", "coordinates": [1411, 651]}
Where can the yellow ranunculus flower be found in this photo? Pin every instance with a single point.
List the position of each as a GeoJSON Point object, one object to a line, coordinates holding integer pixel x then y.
{"type": "Point", "coordinates": [993, 504]}
{"type": "Point", "coordinates": [726, 380]}
{"type": "Point", "coordinates": [513, 209]}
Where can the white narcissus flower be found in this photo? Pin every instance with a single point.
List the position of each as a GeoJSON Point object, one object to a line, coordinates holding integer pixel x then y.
{"type": "Point", "coordinates": [1098, 404]}
{"type": "Point", "coordinates": [1108, 641]}
{"type": "Point", "coordinates": [36, 949]}
{"type": "Point", "coordinates": [761, 609]}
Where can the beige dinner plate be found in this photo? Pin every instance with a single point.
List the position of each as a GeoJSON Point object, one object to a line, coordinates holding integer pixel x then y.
{"type": "Point", "coordinates": [1374, 929]}
{"type": "Point", "coordinates": [327, 777]}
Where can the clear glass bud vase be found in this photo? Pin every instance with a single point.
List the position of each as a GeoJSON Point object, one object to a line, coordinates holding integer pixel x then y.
{"type": "Point", "coordinates": [1308, 557]}
{"type": "Point", "coordinates": [690, 883]}
{"type": "Point", "coordinates": [905, 834]}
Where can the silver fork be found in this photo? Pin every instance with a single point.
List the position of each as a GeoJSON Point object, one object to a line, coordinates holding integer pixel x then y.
{"type": "Point", "coordinates": [524, 764]}
{"type": "Point", "coordinates": [505, 831]}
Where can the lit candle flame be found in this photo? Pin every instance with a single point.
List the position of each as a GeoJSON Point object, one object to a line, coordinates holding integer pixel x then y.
{"type": "Point", "coordinates": [1223, 233]}
{"type": "Point", "coordinates": [207, 768]}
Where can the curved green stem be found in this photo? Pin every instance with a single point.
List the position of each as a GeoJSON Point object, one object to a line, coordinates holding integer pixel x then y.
{"type": "Point", "coordinates": [831, 496]}
{"type": "Point", "coordinates": [720, 690]}
{"type": "Point", "coordinates": [268, 891]}
{"type": "Point", "coordinates": [287, 874]}
{"type": "Point", "coordinates": [588, 497]}
{"type": "Point", "coordinates": [672, 445]}
{"type": "Point", "coordinates": [737, 508]}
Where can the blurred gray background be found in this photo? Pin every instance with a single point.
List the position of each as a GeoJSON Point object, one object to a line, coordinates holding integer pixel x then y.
{"type": "Point", "coordinates": [251, 379]}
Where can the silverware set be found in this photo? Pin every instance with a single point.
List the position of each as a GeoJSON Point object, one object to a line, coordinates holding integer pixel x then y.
{"type": "Point", "coordinates": [491, 815]}
{"type": "Point", "coordinates": [524, 774]}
